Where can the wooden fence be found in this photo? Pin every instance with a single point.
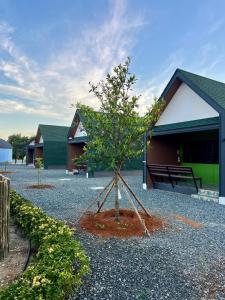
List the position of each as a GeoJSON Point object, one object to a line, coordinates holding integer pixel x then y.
{"type": "Point", "coordinates": [4, 216]}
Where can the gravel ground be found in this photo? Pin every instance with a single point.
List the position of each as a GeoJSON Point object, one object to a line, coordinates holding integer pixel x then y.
{"type": "Point", "coordinates": [180, 263]}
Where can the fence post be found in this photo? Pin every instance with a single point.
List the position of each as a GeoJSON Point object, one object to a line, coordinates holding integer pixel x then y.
{"type": "Point", "coordinates": [4, 216]}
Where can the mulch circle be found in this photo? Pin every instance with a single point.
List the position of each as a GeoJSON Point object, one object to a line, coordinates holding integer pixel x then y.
{"type": "Point", "coordinates": [188, 222]}
{"type": "Point", "coordinates": [103, 224]}
{"type": "Point", "coordinates": [41, 186]}
{"type": "Point", "coordinates": [6, 172]}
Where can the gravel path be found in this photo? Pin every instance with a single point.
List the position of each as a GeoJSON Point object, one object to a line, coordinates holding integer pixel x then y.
{"type": "Point", "coordinates": [180, 263]}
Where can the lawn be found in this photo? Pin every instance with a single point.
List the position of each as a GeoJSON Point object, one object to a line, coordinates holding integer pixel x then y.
{"type": "Point", "coordinates": [183, 262]}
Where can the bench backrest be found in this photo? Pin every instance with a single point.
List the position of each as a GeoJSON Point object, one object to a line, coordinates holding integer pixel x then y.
{"type": "Point", "coordinates": [171, 169]}
{"type": "Point", "coordinates": [157, 168]}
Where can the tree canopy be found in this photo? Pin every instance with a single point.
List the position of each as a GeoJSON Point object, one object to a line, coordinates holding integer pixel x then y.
{"type": "Point", "coordinates": [115, 132]}
{"type": "Point", "coordinates": [18, 143]}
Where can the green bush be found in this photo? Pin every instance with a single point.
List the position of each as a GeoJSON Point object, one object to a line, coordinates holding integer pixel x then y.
{"type": "Point", "coordinates": [56, 270]}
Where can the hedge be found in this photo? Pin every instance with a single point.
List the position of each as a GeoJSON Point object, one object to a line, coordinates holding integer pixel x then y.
{"type": "Point", "coordinates": [57, 268]}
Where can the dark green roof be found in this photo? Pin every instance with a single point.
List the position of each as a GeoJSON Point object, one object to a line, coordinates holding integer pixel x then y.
{"type": "Point", "coordinates": [54, 133]}
{"type": "Point", "coordinates": [163, 129]}
{"type": "Point", "coordinates": [4, 144]}
{"type": "Point", "coordinates": [214, 89]}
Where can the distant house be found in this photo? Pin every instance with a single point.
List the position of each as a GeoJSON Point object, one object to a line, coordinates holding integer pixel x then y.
{"type": "Point", "coordinates": [30, 152]}
{"type": "Point", "coordinates": [50, 143]}
{"type": "Point", "coordinates": [191, 129]}
{"type": "Point", "coordinates": [5, 151]}
{"type": "Point", "coordinates": [77, 139]}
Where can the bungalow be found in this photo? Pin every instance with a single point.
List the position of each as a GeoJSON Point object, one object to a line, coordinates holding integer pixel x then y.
{"type": "Point", "coordinates": [77, 139]}
{"type": "Point", "coordinates": [50, 143]}
{"type": "Point", "coordinates": [5, 151]}
{"type": "Point", "coordinates": [30, 152]}
{"type": "Point", "coordinates": [191, 130]}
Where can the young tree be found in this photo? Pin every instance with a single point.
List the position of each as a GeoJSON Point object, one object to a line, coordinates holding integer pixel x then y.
{"type": "Point", "coordinates": [18, 143]}
{"type": "Point", "coordinates": [6, 163]}
{"type": "Point", "coordinates": [38, 166]}
{"type": "Point", "coordinates": [115, 133]}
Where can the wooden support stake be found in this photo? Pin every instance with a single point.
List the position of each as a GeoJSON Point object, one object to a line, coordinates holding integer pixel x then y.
{"type": "Point", "coordinates": [106, 196]}
{"type": "Point", "coordinates": [96, 199]}
{"type": "Point", "coordinates": [146, 232]}
{"type": "Point", "coordinates": [4, 216]}
{"type": "Point", "coordinates": [133, 194]}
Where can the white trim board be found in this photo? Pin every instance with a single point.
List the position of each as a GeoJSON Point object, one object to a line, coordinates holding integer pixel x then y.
{"type": "Point", "coordinates": [184, 106]}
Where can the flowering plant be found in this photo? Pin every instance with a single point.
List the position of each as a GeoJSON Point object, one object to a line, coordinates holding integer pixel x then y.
{"type": "Point", "coordinates": [51, 273]}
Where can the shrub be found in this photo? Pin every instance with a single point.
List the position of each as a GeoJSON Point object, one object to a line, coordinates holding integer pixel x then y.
{"type": "Point", "coordinates": [58, 266]}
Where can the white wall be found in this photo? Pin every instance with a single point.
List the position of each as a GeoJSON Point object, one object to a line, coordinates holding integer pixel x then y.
{"type": "Point", "coordinates": [32, 143]}
{"type": "Point", "coordinates": [80, 131]}
{"type": "Point", "coordinates": [5, 155]}
{"type": "Point", "coordinates": [186, 105]}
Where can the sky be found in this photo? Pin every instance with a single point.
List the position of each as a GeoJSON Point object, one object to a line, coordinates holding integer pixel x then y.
{"type": "Point", "coordinates": [51, 49]}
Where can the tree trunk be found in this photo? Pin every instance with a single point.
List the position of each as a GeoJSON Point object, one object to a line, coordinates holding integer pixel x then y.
{"type": "Point", "coordinates": [39, 181]}
{"type": "Point", "coordinates": [117, 206]}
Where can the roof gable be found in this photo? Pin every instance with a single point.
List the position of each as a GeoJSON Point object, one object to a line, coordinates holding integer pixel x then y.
{"type": "Point", "coordinates": [212, 91]}
{"type": "Point", "coordinates": [75, 129]}
{"type": "Point", "coordinates": [5, 145]}
{"type": "Point", "coordinates": [186, 105]}
{"type": "Point", "coordinates": [53, 133]}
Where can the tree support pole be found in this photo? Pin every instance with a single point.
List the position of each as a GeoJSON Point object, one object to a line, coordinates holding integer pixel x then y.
{"type": "Point", "coordinates": [106, 196]}
{"type": "Point", "coordinates": [133, 194]}
{"type": "Point", "coordinates": [146, 232]}
{"type": "Point", "coordinates": [95, 199]}
{"type": "Point", "coordinates": [117, 207]}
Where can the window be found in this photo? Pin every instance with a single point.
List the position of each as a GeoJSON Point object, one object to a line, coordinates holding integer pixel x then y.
{"type": "Point", "coordinates": [201, 152]}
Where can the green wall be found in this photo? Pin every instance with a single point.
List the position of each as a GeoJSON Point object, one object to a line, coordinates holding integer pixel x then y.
{"type": "Point", "coordinates": [208, 172]}
{"type": "Point", "coordinates": [130, 165]}
{"type": "Point", "coordinates": [55, 154]}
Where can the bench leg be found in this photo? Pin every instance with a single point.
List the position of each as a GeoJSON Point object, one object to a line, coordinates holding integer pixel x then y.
{"type": "Point", "coordinates": [196, 186]}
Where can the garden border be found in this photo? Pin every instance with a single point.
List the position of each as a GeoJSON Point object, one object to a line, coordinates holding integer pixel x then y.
{"type": "Point", "coordinates": [57, 268]}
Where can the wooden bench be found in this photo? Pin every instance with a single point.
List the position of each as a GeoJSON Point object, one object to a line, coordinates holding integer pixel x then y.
{"type": "Point", "coordinates": [81, 167]}
{"type": "Point", "coordinates": [173, 173]}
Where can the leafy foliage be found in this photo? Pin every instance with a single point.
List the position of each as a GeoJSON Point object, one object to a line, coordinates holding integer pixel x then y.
{"type": "Point", "coordinates": [18, 143]}
{"type": "Point", "coordinates": [115, 133]}
{"type": "Point", "coordinates": [52, 274]}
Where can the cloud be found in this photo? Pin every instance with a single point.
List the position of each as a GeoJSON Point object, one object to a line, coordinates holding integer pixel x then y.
{"type": "Point", "coordinates": [13, 106]}
{"type": "Point", "coordinates": [64, 78]}
{"type": "Point", "coordinates": [19, 92]}
{"type": "Point", "coordinates": [217, 25]}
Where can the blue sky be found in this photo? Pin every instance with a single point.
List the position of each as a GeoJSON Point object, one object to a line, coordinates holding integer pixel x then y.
{"type": "Point", "coordinates": [51, 49]}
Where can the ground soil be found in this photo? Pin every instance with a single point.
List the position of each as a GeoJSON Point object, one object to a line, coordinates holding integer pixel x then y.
{"type": "Point", "coordinates": [6, 172]}
{"type": "Point", "coordinates": [14, 263]}
{"type": "Point", "coordinates": [104, 224]}
{"type": "Point", "coordinates": [188, 222]}
{"type": "Point", "coordinates": [41, 186]}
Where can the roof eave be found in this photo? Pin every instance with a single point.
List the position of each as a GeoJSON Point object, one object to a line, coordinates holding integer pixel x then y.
{"type": "Point", "coordinates": [183, 130]}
